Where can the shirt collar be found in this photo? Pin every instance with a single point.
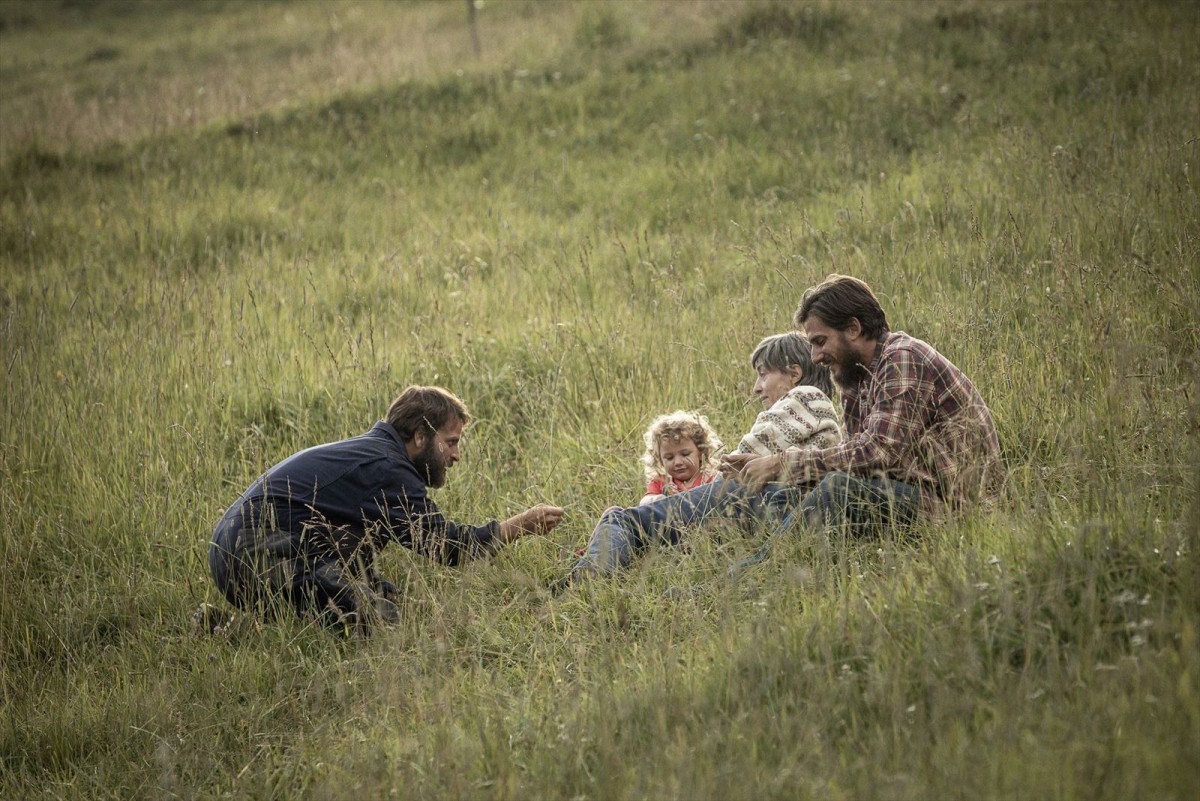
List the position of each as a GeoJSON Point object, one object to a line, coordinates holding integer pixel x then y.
{"type": "Point", "coordinates": [874, 365]}
{"type": "Point", "coordinates": [851, 391]}
{"type": "Point", "coordinates": [386, 428]}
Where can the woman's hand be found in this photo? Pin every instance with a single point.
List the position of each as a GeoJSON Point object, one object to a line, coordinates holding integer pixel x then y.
{"type": "Point", "coordinates": [753, 471]}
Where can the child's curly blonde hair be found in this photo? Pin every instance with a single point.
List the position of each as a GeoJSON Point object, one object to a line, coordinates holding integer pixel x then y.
{"type": "Point", "coordinates": [676, 426]}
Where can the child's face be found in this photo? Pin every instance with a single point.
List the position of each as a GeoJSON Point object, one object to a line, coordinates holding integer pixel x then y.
{"type": "Point", "coordinates": [680, 457]}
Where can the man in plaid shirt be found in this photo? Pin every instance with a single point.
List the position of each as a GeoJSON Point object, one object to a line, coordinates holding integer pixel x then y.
{"type": "Point", "coordinates": [919, 438]}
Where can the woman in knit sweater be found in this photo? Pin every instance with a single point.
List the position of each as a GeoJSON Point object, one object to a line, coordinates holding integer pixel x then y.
{"type": "Point", "coordinates": [797, 411]}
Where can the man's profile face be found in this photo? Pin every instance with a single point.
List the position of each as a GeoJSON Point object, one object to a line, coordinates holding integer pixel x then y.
{"type": "Point", "coordinates": [440, 453]}
{"type": "Point", "coordinates": [833, 349]}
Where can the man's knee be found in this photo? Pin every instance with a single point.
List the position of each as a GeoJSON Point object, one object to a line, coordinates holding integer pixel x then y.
{"type": "Point", "coordinates": [840, 499]}
{"type": "Point", "coordinates": [836, 487]}
{"type": "Point", "coordinates": [867, 505]}
{"type": "Point", "coordinates": [827, 503]}
{"type": "Point", "coordinates": [338, 592]}
{"type": "Point", "coordinates": [258, 572]}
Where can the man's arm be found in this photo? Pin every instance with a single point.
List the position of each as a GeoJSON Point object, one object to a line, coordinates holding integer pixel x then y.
{"type": "Point", "coordinates": [415, 521]}
{"type": "Point", "coordinates": [446, 541]}
{"type": "Point", "coordinates": [753, 470]}
{"type": "Point", "coordinates": [412, 519]}
{"type": "Point", "coordinates": [539, 519]}
{"type": "Point", "coordinates": [900, 399]}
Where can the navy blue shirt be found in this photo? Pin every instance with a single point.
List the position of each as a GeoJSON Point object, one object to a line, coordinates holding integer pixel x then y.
{"type": "Point", "coordinates": [347, 500]}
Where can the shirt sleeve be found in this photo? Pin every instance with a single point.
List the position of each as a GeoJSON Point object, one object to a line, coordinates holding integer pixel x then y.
{"type": "Point", "coordinates": [654, 487]}
{"type": "Point", "coordinates": [898, 398]}
{"type": "Point", "coordinates": [417, 523]}
{"type": "Point", "coordinates": [756, 440]}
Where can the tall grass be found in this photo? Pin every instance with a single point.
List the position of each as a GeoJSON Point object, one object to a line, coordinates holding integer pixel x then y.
{"type": "Point", "coordinates": [593, 224]}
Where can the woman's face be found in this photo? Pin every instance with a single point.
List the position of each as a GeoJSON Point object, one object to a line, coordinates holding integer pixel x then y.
{"type": "Point", "coordinates": [774, 384]}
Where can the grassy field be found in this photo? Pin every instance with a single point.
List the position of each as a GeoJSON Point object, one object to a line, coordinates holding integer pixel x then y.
{"type": "Point", "coordinates": [231, 230]}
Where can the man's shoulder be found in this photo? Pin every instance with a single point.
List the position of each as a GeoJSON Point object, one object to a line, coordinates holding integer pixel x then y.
{"type": "Point", "coordinates": [918, 362]}
{"type": "Point", "coordinates": [335, 449]}
{"type": "Point", "coordinates": [380, 438]}
{"type": "Point", "coordinates": [901, 341]}
{"type": "Point", "coordinates": [372, 451]}
{"type": "Point", "coordinates": [902, 346]}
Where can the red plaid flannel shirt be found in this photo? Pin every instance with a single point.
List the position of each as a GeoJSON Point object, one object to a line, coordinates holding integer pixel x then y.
{"type": "Point", "coordinates": [915, 418]}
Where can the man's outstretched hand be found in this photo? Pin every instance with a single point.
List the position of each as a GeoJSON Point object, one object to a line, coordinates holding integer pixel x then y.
{"type": "Point", "coordinates": [538, 520]}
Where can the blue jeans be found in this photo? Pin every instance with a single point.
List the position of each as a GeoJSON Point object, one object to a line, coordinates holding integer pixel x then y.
{"type": "Point", "coordinates": [867, 505]}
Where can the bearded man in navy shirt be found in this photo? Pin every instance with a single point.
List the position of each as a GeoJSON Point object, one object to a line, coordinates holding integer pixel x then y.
{"type": "Point", "coordinates": [306, 533]}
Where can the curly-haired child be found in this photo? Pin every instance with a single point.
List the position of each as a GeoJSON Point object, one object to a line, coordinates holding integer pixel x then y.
{"type": "Point", "coordinates": [681, 453]}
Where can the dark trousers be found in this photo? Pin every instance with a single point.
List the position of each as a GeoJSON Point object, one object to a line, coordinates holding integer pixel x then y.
{"type": "Point", "coordinates": [261, 572]}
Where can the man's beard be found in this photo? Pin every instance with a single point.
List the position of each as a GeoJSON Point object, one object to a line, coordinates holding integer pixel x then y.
{"type": "Point", "coordinates": [430, 464]}
{"type": "Point", "coordinates": [847, 376]}
{"type": "Point", "coordinates": [847, 371]}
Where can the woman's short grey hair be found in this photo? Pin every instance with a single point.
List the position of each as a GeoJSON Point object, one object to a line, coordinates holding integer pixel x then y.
{"type": "Point", "coordinates": [780, 351]}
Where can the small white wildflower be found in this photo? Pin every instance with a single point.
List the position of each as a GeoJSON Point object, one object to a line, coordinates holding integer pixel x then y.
{"type": "Point", "coordinates": [1125, 597]}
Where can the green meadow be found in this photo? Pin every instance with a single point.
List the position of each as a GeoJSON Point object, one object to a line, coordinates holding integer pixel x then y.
{"type": "Point", "coordinates": [230, 230]}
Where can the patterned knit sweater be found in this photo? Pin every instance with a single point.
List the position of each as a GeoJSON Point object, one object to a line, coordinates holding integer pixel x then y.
{"type": "Point", "coordinates": [803, 418]}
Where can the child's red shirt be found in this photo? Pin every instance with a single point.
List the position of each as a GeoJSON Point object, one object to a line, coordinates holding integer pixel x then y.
{"type": "Point", "coordinates": [669, 486]}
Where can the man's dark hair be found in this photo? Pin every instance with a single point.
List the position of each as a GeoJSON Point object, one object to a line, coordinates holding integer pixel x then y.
{"type": "Point", "coordinates": [780, 351]}
{"type": "Point", "coordinates": [425, 409]}
{"type": "Point", "coordinates": [839, 299]}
